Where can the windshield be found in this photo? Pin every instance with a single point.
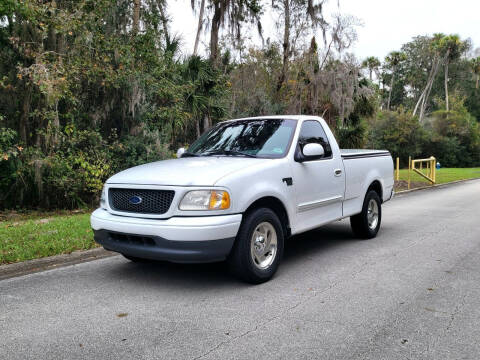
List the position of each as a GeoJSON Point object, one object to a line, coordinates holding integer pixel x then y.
{"type": "Point", "coordinates": [267, 138]}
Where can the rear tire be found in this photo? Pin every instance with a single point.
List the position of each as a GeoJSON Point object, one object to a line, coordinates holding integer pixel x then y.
{"type": "Point", "coordinates": [366, 224]}
{"type": "Point", "coordinates": [258, 248]}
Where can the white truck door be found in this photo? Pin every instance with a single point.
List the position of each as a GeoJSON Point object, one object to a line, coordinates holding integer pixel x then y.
{"type": "Point", "coordinates": [319, 183]}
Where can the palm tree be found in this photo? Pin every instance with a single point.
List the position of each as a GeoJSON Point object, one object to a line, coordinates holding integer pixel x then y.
{"type": "Point", "coordinates": [372, 64]}
{"type": "Point", "coordinates": [202, 91]}
{"type": "Point", "coordinates": [393, 60]}
{"type": "Point", "coordinates": [452, 48]}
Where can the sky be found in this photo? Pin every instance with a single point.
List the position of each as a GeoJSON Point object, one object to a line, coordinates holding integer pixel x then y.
{"type": "Point", "coordinates": [386, 26]}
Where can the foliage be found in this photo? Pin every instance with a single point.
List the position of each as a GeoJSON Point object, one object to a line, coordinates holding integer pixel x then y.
{"type": "Point", "coordinates": [398, 132]}
{"type": "Point", "coordinates": [84, 96]}
{"type": "Point", "coordinates": [353, 134]}
{"type": "Point", "coordinates": [455, 135]}
{"type": "Point", "coordinates": [89, 88]}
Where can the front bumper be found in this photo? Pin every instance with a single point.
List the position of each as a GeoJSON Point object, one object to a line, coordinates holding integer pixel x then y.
{"type": "Point", "coordinates": [178, 239]}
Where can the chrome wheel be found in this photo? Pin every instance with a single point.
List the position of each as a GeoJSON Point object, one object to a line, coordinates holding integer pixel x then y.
{"type": "Point", "coordinates": [372, 214]}
{"type": "Point", "coordinates": [263, 245]}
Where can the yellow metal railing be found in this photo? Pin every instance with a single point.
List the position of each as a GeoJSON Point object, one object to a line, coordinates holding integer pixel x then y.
{"type": "Point", "coordinates": [430, 165]}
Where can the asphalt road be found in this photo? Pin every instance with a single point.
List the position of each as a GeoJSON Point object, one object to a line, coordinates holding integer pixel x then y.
{"type": "Point", "coordinates": [411, 293]}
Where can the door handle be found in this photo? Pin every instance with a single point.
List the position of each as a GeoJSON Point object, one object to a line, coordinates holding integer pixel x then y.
{"type": "Point", "coordinates": [338, 172]}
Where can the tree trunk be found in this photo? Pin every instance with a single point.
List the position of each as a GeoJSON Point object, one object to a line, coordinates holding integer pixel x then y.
{"type": "Point", "coordinates": [136, 16]}
{"type": "Point", "coordinates": [27, 99]}
{"type": "Point", "coordinates": [478, 78]}
{"type": "Point", "coordinates": [286, 45]}
{"type": "Point", "coordinates": [51, 44]}
{"type": "Point", "coordinates": [206, 123]}
{"type": "Point", "coordinates": [56, 125]}
{"type": "Point", "coordinates": [446, 85]}
{"type": "Point", "coordinates": [51, 39]}
{"type": "Point", "coordinates": [431, 75]}
{"type": "Point", "coordinates": [199, 28]}
{"type": "Point", "coordinates": [391, 89]}
{"type": "Point", "coordinates": [429, 89]}
{"type": "Point", "coordinates": [164, 21]}
{"type": "Point", "coordinates": [197, 128]}
{"type": "Point", "coordinates": [61, 44]}
{"type": "Point", "coordinates": [38, 179]}
{"type": "Point", "coordinates": [216, 20]}
{"type": "Point", "coordinates": [327, 53]}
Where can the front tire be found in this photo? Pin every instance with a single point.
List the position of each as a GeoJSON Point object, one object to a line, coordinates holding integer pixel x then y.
{"type": "Point", "coordinates": [366, 224]}
{"type": "Point", "coordinates": [258, 248]}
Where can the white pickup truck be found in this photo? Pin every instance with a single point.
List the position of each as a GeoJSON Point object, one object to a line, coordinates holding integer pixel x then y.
{"type": "Point", "coordinates": [239, 191]}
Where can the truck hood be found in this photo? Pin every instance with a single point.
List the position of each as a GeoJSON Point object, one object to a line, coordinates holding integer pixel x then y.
{"type": "Point", "coordinates": [191, 171]}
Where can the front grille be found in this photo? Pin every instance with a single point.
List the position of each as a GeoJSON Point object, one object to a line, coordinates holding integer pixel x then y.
{"type": "Point", "coordinates": [132, 239]}
{"type": "Point", "coordinates": [151, 201]}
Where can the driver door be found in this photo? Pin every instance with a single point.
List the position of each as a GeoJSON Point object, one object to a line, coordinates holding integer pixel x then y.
{"type": "Point", "coordinates": [319, 183]}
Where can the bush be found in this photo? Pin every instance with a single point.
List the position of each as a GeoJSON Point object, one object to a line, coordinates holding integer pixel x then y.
{"type": "Point", "coordinates": [455, 136]}
{"type": "Point", "coordinates": [73, 174]}
{"type": "Point", "coordinates": [447, 150]}
{"type": "Point", "coordinates": [137, 150]}
{"type": "Point", "coordinates": [398, 132]}
{"type": "Point", "coordinates": [352, 136]}
{"type": "Point", "coordinates": [9, 153]}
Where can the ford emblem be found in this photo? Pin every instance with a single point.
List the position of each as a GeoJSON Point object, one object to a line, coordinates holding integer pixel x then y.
{"type": "Point", "coordinates": [135, 200]}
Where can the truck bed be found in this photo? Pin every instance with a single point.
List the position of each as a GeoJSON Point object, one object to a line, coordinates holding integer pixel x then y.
{"type": "Point", "coordinates": [361, 166]}
{"type": "Point", "coordinates": [362, 153]}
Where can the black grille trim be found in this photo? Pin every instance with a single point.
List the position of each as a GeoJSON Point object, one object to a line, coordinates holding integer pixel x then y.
{"type": "Point", "coordinates": [132, 239]}
{"type": "Point", "coordinates": [154, 202]}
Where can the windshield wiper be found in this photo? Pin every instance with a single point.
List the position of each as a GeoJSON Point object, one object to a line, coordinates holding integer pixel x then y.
{"type": "Point", "coordinates": [228, 152]}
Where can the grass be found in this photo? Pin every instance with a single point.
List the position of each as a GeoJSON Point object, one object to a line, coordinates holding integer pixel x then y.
{"type": "Point", "coordinates": [36, 237]}
{"type": "Point", "coordinates": [443, 175]}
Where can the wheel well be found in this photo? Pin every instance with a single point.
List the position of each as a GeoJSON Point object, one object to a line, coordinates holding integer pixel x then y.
{"type": "Point", "coordinates": [276, 206]}
{"type": "Point", "coordinates": [377, 187]}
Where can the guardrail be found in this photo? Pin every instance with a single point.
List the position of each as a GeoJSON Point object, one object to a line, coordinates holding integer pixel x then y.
{"type": "Point", "coordinates": [430, 166]}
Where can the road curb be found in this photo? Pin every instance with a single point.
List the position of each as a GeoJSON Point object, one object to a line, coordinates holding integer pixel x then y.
{"type": "Point", "coordinates": [52, 262]}
{"type": "Point", "coordinates": [432, 187]}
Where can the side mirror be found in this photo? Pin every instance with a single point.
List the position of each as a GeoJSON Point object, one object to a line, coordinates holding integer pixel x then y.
{"type": "Point", "coordinates": [311, 151]}
{"type": "Point", "coordinates": [180, 152]}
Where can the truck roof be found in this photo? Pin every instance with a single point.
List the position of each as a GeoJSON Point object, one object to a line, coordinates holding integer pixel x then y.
{"type": "Point", "coordinates": [273, 117]}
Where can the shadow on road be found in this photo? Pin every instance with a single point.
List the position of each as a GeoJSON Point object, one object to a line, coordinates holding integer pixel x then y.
{"type": "Point", "coordinates": [216, 275]}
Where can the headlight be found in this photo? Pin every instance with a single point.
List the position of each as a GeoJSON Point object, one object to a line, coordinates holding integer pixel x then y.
{"type": "Point", "coordinates": [205, 200]}
{"type": "Point", "coordinates": [103, 199]}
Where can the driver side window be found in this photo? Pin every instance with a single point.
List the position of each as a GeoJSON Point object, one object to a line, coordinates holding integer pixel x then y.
{"type": "Point", "coordinates": [312, 132]}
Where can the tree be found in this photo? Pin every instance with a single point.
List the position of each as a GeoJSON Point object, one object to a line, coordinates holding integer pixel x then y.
{"type": "Point", "coordinates": [230, 14]}
{"type": "Point", "coordinates": [372, 64]}
{"type": "Point", "coordinates": [392, 61]}
{"type": "Point", "coordinates": [435, 53]}
{"type": "Point", "coordinates": [200, 24]}
{"type": "Point", "coordinates": [136, 16]}
{"type": "Point", "coordinates": [203, 90]}
{"type": "Point", "coordinates": [295, 12]}
{"type": "Point", "coordinates": [452, 48]}
{"type": "Point", "coordinates": [475, 65]}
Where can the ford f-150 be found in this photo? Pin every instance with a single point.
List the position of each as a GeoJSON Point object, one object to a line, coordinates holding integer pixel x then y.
{"type": "Point", "coordinates": [239, 191]}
